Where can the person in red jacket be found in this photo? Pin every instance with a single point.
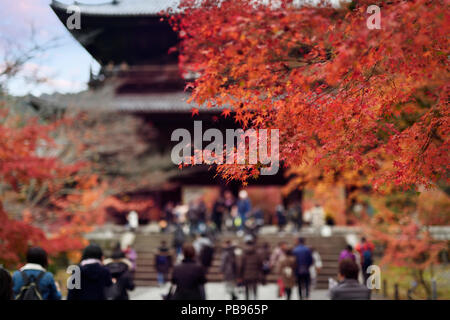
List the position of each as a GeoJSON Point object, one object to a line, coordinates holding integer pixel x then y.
{"type": "Point", "coordinates": [365, 249]}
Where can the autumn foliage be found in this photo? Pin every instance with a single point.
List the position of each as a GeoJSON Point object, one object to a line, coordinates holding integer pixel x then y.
{"type": "Point", "coordinates": [359, 107]}
{"type": "Point", "coordinates": [342, 95]}
{"type": "Point", "coordinates": [52, 202]}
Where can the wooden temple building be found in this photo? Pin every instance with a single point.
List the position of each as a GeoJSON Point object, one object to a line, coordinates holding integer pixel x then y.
{"type": "Point", "coordinates": [140, 79]}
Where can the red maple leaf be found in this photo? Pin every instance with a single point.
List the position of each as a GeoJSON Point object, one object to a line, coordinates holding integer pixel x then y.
{"type": "Point", "coordinates": [226, 112]}
{"type": "Point", "coordinates": [194, 111]}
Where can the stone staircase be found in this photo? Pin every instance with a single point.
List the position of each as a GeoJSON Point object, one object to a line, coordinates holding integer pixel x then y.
{"type": "Point", "coordinates": [329, 248]}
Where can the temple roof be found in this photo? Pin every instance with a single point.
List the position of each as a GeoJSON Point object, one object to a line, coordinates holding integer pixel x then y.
{"type": "Point", "coordinates": [120, 7]}
{"type": "Point", "coordinates": [130, 31]}
{"type": "Point", "coordinates": [105, 100]}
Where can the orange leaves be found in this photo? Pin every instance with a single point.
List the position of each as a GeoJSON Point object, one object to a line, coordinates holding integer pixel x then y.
{"type": "Point", "coordinates": [406, 237]}
{"type": "Point", "coordinates": [331, 84]}
{"type": "Point", "coordinates": [57, 194]}
{"type": "Point", "coordinates": [226, 113]}
{"type": "Point", "coordinates": [259, 120]}
{"type": "Point", "coordinates": [194, 112]}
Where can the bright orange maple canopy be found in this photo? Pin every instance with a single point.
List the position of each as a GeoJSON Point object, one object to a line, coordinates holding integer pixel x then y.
{"type": "Point", "coordinates": [340, 93]}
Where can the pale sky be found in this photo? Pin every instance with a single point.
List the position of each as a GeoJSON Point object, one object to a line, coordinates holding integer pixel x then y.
{"type": "Point", "coordinates": [67, 65]}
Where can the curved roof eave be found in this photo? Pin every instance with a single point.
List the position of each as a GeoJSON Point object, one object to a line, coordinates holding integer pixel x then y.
{"type": "Point", "coordinates": [122, 8]}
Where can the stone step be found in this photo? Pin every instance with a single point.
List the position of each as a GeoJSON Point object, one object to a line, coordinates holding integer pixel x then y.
{"type": "Point", "coordinates": [147, 246]}
{"type": "Point", "coordinates": [145, 274]}
{"type": "Point", "coordinates": [150, 259]}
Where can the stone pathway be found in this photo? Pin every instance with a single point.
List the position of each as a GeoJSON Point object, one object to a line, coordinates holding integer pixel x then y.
{"type": "Point", "coordinates": [216, 291]}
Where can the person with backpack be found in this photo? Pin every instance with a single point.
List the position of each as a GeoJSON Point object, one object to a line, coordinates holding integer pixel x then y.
{"type": "Point", "coordinates": [365, 249]}
{"type": "Point", "coordinates": [33, 281]}
{"type": "Point", "coordinates": [228, 267]}
{"type": "Point", "coordinates": [304, 260]}
{"type": "Point", "coordinates": [6, 285]}
{"type": "Point", "coordinates": [286, 269]}
{"type": "Point", "coordinates": [163, 263]}
{"type": "Point", "coordinates": [119, 267]}
{"type": "Point", "coordinates": [95, 277]}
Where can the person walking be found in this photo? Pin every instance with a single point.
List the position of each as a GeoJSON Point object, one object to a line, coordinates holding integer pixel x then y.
{"type": "Point", "coordinates": [304, 261]}
{"type": "Point", "coordinates": [131, 255]}
{"type": "Point", "coordinates": [244, 207]}
{"type": "Point", "coordinates": [189, 277]}
{"type": "Point", "coordinates": [286, 270]}
{"type": "Point", "coordinates": [95, 277]}
{"type": "Point", "coordinates": [347, 253]}
{"type": "Point", "coordinates": [6, 285]}
{"type": "Point", "coordinates": [119, 267]}
{"type": "Point", "coordinates": [277, 255]}
{"type": "Point", "coordinates": [315, 268]}
{"type": "Point", "coordinates": [265, 256]}
{"type": "Point", "coordinates": [228, 267]}
{"type": "Point", "coordinates": [348, 287]}
{"type": "Point", "coordinates": [316, 217]}
{"type": "Point", "coordinates": [204, 249]}
{"type": "Point", "coordinates": [218, 213]}
{"type": "Point", "coordinates": [193, 216]}
{"type": "Point", "coordinates": [168, 215]}
{"type": "Point", "coordinates": [365, 249]}
{"type": "Point", "coordinates": [251, 270]}
{"type": "Point", "coordinates": [133, 220]}
{"type": "Point", "coordinates": [163, 263]}
{"type": "Point", "coordinates": [229, 203]}
{"type": "Point", "coordinates": [33, 281]}
{"type": "Point", "coordinates": [296, 216]}
{"type": "Point", "coordinates": [179, 237]}
{"type": "Point", "coordinates": [281, 217]}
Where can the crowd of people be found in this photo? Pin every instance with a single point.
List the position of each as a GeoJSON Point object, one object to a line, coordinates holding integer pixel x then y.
{"type": "Point", "coordinates": [227, 213]}
{"type": "Point", "coordinates": [244, 269]}
{"type": "Point", "coordinates": [99, 278]}
{"type": "Point", "coordinates": [237, 215]}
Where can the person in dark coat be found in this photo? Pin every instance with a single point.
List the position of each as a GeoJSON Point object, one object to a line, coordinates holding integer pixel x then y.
{"type": "Point", "coordinates": [304, 261]}
{"type": "Point", "coordinates": [179, 237]}
{"type": "Point", "coordinates": [169, 214]}
{"type": "Point", "coordinates": [228, 267]}
{"type": "Point", "coordinates": [6, 285]}
{"type": "Point", "coordinates": [189, 277]}
{"type": "Point", "coordinates": [95, 277]}
{"type": "Point", "coordinates": [281, 217]}
{"type": "Point", "coordinates": [163, 263]}
{"type": "Point", "coordinates": [251, 269]}
{"type": "Point", "coordinates": [122, 279]}
{"type": "Point", "coordinates": [265, 256]}
{"type": "Point", "coordinates": [296, 216]}
{"type": "Point", "coordinates": [218, 212]}
{"type": "Point", "coordinates": [349, 288]}
{"type": "Point", "coordinates": [196, 215]}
